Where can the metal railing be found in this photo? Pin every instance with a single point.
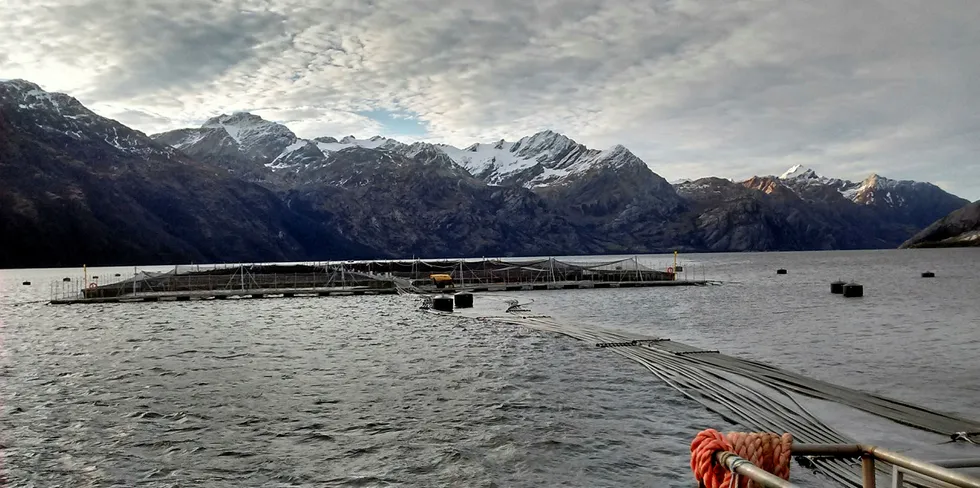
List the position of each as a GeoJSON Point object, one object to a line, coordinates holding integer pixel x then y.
{"type": "Point", "coordinates": [938, 474]}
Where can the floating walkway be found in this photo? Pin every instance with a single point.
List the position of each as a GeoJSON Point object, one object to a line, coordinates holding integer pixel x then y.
{"type": "Point", "coordinates": [187, 296]}
{"type": "Point", "coordinates": [756, 395]}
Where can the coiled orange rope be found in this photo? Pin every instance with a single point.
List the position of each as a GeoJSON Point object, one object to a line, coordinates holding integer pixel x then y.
{"type": "Point", "coordinates": [771, 452]}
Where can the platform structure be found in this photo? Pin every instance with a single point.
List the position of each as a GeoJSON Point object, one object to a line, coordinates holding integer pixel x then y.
{"type": "Point", "coordinates": [354, 278]}
{"type": "Point", "coordinates": [223, 282]}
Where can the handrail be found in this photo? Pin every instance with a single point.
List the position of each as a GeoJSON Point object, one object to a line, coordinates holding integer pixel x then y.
{"type": "Point", "coordinates": [868, 453]}
{"type": "Point", "coordinates": [921, 467]}
{"type": "Point", "coordinates": [874, 452]}
{"type": "Point", "coordinates": [744, 467]}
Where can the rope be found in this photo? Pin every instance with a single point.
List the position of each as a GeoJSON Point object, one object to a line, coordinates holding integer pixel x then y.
{"type": "Point", "coordinates": [770, 452]}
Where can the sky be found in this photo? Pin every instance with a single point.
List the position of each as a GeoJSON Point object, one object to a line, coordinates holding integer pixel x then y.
{"type": "Point", "coordinates": [694, 87]}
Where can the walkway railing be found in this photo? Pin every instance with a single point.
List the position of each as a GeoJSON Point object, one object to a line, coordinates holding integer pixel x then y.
{"type": "Point", "coordinates": [938, 474]}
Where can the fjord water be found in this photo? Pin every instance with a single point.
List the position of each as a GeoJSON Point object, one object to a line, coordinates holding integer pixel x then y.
{"type": "Point", "coordinates": [368, 391]}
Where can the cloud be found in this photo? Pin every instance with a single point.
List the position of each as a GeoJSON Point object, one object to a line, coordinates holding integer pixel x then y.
{"type": "Point", "coordinates": [695, 87]}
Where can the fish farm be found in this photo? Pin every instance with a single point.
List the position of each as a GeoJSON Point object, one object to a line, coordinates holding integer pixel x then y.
{"type": "Point", "coordinates": [185, 283]}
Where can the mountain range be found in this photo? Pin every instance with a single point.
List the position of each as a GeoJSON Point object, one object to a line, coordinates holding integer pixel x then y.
{"type": "Point", "coordinates": [77, 187]}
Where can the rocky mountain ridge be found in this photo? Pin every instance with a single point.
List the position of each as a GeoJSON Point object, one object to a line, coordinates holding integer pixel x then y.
{"type": "Point", "coordinates": [543, 159]}
{"type": "Point", "coordinates": [269, 194]}
{"type": "Point", "coordinates": [79, 188]}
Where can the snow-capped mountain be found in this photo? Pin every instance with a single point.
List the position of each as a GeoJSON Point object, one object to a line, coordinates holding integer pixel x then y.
{"type": "Point", "coordinates": [77, 188]}
{"type": "Point", "coordinates": [240, 187]}
{"type": "Point", "coordinates": [543, 159]}
{"type": "Point", "coordinates": [60, 115]}
{"type": "Point", "coordinates": [261, 150]}
{"type": "Point", "coordinates": [256, 136]}
{"type": "Point", "coordinates": [540, 160]}
{"type": "Point", "coordinates": [875, 190]}
{"type": "Point", "coordinates": [799, 172]}
{"type": "Point", "coordinates": [908, 205]}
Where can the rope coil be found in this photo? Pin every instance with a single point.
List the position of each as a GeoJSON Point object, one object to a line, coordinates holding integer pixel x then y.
{"type": "Point", "coordinates": [771, 452]}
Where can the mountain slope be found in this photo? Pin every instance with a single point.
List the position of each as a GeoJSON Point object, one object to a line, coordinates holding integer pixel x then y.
{"type": "Point", "coordinates": [763, 214]}
{"type": "Point", "coordinates": [426, 205]}
{"type": "Point", "coordinates": [961, 228]}
{"type": "Point", "coordinates": [78, 188]}
{"type": "Point", "coordinates": [610, 195]}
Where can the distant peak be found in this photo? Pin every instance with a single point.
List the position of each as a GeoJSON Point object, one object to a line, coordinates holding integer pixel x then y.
{"type": "Point", "coordinates": [234, 118]}
{"type": "Point", "coordinates": [546, 140]}
{"type": "Point", "coordinates": [326, 140]}
{"type": "Point", "coordinates": [798, 171]}
{"type": "Point", "coordinates": [379, 138]}
{"type": "Point", "coordinates": [21, 84]}
{"type": "Point", "coordinates": [547, 135]}
{"type": "Point", "coordinates": [348, 140]}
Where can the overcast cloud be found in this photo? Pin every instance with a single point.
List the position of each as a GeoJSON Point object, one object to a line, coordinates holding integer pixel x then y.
{"type": "Point", "coordinates": [695, 88]}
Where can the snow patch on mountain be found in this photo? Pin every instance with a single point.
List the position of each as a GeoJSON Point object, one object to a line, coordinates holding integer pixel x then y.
{"type": "Point", "coordinates": [878, 189]}
{"type": "Point", "coordinates": [798, 172]}
{"type": "Point", "coordinates": [329, 144]}
{"type": "Point", "coordinates": [538, 160]}
{"type": "Point", "coordinates": [281, 160]}
{"type": "Point", "coordinates": [873, 190]}
{"type": "Point", "coordinates": [190, 138]}
{"type": "Point", "coordinates": [62, 114]}
{"type": "Point", "coordinates": [495, 160]}
{"type": "Point", "coordinates": [31, 96]}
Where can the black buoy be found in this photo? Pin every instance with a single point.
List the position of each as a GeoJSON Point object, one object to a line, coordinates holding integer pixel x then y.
{"type": "Point", "coordinates": [463, 300]}
{"type": "Point", "coordinates": [678, 269]}
{"type": "Point", "coordinates": [853, 290]}
{"type": "Point", "coordinates": [27, 283]}
{"type": "Point", "coordinates": [118, 275]}
{"type": "Point", "coordinates": [95, 277]}
{"type": "Point", "coordinates": [837, 287]}
{"type": "Point", "coordinates": [442, 303]}
{"type": "Point", "coordinates": [780, 271]}
{"type": "Point", "coordinates": [928, 274]}
{"type": "Point", "coordinates": [66, 280]}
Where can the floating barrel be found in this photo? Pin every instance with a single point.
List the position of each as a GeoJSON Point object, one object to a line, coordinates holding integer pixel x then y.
{"type": "Point", "coordinates": [853, 290]}
{"type": "Point", "coordinates": [678, 268]}
{"type": "Point", "coordinates": [66, 280]}
{"type": "Point", "coordinates": [117, 275]}
{"type": "Point", "coordinates": [95, 277]}
{"type": "Point", "coordinates": [780, 271]}
{"type": "Point", "coordinates": [463, 300]}
{"type": "Point", "coordinates": [27, 283]}
{"type": "Point", "coordinates": [442, 303]}
{"type": "Point", "coordinates": [928, 274]}
{"type": "Point", "coordinates": [837, 287]}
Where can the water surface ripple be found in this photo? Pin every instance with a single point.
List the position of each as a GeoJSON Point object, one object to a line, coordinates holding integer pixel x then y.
{"type": "Point", "coordinates": [367, 391]}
